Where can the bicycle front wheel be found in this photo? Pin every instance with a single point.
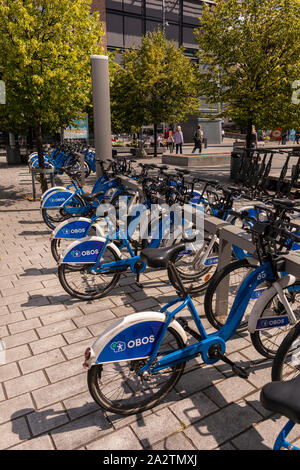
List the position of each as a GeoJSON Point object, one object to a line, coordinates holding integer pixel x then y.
{"type": "Point", "coordinates": [286, 364]}
{"type": "Point", "coordinates": [228, 279]}
{"type": "Point", "coordinates": [267, 342]}
{"type": "Point", "coordinates": [119, 388]}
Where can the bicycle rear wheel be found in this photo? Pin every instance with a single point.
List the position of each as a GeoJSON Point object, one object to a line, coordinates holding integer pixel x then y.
{"type": "Point", "coordinates": [80, 283]}
{"type": "Point", "coordinates": [117, 387]}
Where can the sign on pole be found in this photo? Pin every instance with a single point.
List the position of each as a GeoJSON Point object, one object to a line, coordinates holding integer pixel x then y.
{"type": "Point", "coordinates": [78, 131]}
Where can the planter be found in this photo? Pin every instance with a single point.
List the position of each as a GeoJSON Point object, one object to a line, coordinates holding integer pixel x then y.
{"type": "Point", "coordinates": [13, 156]}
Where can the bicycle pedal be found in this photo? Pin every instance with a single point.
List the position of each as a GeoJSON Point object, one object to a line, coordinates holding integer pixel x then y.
{"type": "Point", "coordinates": [139, 285]}
{"type": "Point", "coordinates": [240, 371]}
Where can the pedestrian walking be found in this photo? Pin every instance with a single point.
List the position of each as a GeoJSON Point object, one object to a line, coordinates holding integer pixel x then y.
{"type": "Point", "coordinates": [178, 139]}
{"type": "Point", "coordinates": [297, 136]}
{"type": "Point", "coordinates": [284, 137]}
{"type": "Point", "coordinates": [198, 139]}
{"type": "Point", "coordinates": [253, 138]}
{"type": "Point", "coordinates": [170, 141]}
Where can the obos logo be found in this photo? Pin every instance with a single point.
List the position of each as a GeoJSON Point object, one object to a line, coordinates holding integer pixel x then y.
{"type": "Point", "coordinates": [54, 199]}
{"type": "Point", "coordinates": [75, 253]}
{"type": "Point", "coordinates": [120, 346]}
{"type": "Point", "coordinates": [66, 231]}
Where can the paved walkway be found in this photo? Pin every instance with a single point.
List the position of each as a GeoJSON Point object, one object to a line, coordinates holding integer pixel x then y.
{"type": "Point", "coordinates": [44, 399]}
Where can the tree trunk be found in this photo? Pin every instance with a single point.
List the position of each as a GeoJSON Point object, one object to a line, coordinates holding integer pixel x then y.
{"type": "Point", "coordinates": [249, 132]}
{"type": "Point", "coordinates": [39, 143]}
{"type": "Point", "coordinates": [155, 140]}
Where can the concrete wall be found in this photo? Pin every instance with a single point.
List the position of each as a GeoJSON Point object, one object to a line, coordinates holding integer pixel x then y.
{"type": "Point", "coordinates": [212, 129]}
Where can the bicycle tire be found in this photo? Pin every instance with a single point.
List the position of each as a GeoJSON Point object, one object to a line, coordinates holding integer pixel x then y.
{"type": "Point", "coordinates": [52, 221]}
{"type": "Point", "coordinates": [214, 319]}
{"type": "Point", "coordinates": [288, 345]}
{"type": "Point", "coordinates": [107, 403]}
{"type": "Point", "coordinates": [88, 292]}
{"type": "Point", "coordinates": [267, 342]}
{"type": "Point", "coordinates": [202, 277]}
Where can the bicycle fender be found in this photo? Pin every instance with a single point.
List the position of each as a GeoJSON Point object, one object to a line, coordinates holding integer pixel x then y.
{"type": "Point", "coordinates": [131, 337]}
{"type": "Point", "coordinates": [263, 301]}
{"type": "Point", "coordinates": [50, 190]}
{"type": "Point", "coordinates": [86, 250]}
{"type": "Point", "coordinates": [57, 199]}
{"type": "Point", "coordinates": [76, 228]}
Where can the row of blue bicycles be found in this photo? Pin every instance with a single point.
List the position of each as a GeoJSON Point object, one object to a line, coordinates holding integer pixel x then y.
{"type": "Point", "coordinates": [97, 236]}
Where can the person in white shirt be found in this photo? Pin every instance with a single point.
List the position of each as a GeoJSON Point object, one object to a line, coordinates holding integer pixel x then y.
{"type": "Point", "coordinates": [178, 139]}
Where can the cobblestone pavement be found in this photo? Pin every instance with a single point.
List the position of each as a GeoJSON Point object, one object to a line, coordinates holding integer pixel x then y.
{"type": "Point", "coordinates": [44, 399]}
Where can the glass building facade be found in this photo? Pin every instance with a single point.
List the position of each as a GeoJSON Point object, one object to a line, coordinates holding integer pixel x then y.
{"type": "Point", "coordinates": [128, 20]}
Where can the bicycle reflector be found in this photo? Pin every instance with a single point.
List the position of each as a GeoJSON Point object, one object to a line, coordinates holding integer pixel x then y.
{"type": "Point", "coordinates": [87, 356]}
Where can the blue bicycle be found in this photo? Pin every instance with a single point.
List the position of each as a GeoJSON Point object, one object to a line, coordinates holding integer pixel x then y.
{"type": "Point", "coordinates": [137, 361]}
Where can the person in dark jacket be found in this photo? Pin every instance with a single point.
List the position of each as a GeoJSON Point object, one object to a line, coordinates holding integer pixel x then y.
{"type": "Point", "coordinates": [198, 139]}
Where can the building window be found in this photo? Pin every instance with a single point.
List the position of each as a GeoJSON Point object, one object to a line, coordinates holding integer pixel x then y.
{"type": "Point", "coordinates": [172, 10]}
{"type": "Point", "coordinates": [172, 32]}
{"type": "Point", "coordinates": [114, 4]}
{"type": "Point", "coordinates": [133, 6]}
{"type": "Point", "coordinates": [114, 29]}
{"type": "Point", "coordinates": [154, 8]}
{"type": "Point", "coordinates": [191, 12]}
{"type": "Point", "coordinates": [153, 25]}
{"type": "Point", "coordinates": [188, 37]}
{"type": "Point", "coordinates": [132, 31]}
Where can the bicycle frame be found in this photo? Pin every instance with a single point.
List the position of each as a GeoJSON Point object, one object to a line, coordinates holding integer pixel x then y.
{"type": "Point", "coordinates": [281, 438]}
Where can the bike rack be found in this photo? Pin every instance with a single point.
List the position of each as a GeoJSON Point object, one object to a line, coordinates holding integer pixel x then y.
{"type": "Point", "coordinates": [38, 171]}
{"type": "Point", "coordinates": [228, 235]}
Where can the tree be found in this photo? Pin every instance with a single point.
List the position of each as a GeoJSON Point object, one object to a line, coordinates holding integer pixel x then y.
{"type": "Point", "coordinates": [249, 53]}
{"type": "Point", "coordinates": [45, 63]}
{"type": "Point", "coordinates": [155, 83]}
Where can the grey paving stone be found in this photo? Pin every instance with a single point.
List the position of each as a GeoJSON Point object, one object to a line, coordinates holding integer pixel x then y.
{"type": "Point", "coordinates": [20, 338]}
{"type": "Point", "coordinates": [75, 336]}
{"type": "Point", "coordinates": [13, 433]}
{"type": "Point", "coordinates": [198, 379]}
{"type": "Point", "coordinates": [155, 427]}
{"type": "Point", "coordinates": [47, 344]}
{"type": "Point", "coordinates": [60, 390]}
{"type": "Point", "coordinates": [56, 328]}
{"type": "Point", "coordinates": [60, 316]}
{"type": "Point", "coordinates": [80, 405]}
{"type": "Point", "coordinates": [92, 318]}
{"type": "Point", "coordinates": [17, 353]}
{"type": "Point", "coordinates": [9, 371]}
{"type": "Point", "coordinates": [122, 439]}
{"type": "Point", "coordinates": [193, 408]}
{"type": "Point", "coordinates": [16, 407]}
{"type": "Point", "coordinates": [25, 383]}
{"type": "Point", "coordinates": [24, 325]}
{"type": "Point", "coordinates": [64, 370]}
{"type": "Point", "coordinates": [41, 361]}
{"type": "Point", "coordinates": [229, 390]}
{"type": "Point", "coordinates": [209, 433]}
{"type": "Point", "coordinates": [38, 443]}
{"type": "Point", "coordinates": [47, 418]}
{"type": "Point", "coordinates": [80, 431]}
{"type": "Point", "coordinates": [177, 441]}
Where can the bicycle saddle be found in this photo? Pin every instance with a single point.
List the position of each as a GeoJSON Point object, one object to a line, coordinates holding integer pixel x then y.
{"type": "Point", "coordinates": [160, 257]}
{"type": "Point", "coordinates": [283, 398]}
{"type": "Point", "coordinates": [91, 197]}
